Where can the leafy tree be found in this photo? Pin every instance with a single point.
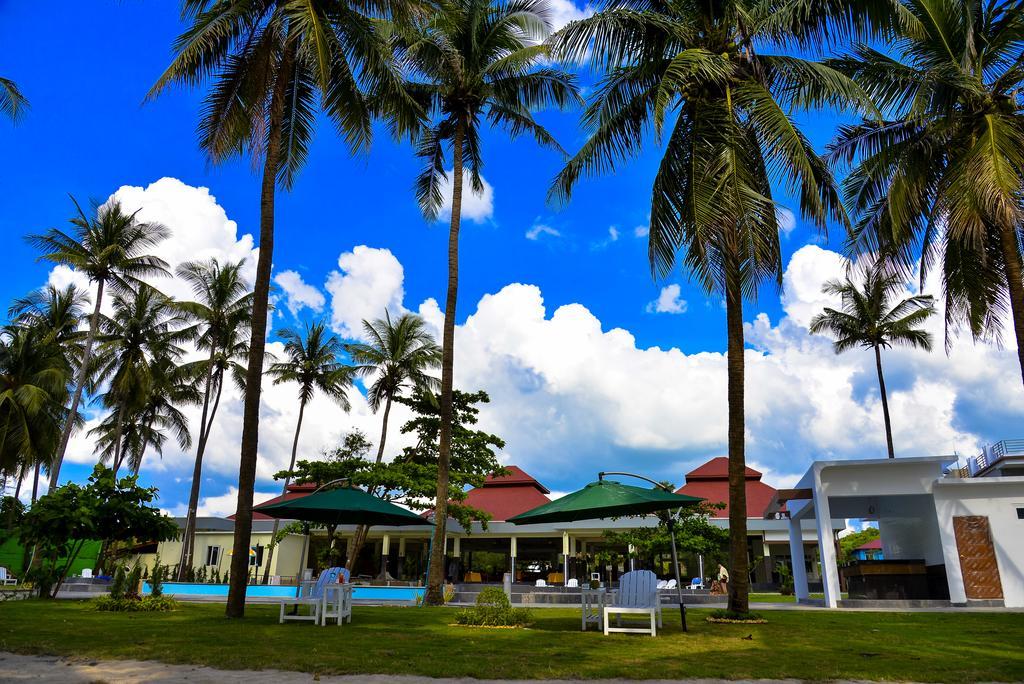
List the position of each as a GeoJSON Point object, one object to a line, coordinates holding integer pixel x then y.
{"type": "Point", "coordinates": [12, 102]}
{"type": "Point", "coordinates": [106, 508]}
{"type": "Point", "coordinates": [273, 65]}
{"type": "Point", "coordinates": [849, 543]}
{"type": "Point", "coordinates": [871, 320]}
{"type": "Point", "coordinates": [704, 72]}
{"type": "Point", "coordinates": [937, 181]}
{"type": "Point", "coordinates": [312, 364]}
{"type": "Point", "coordinates": [219, 322]}
{"type": "Point", "coordinates": [694, 533]}
{"type": "Point", "coordinates": [110, 247]}
{"type": "Point", "coordinates": [138, 346]}
{"type": "Point", "coordinates": [473, 60]}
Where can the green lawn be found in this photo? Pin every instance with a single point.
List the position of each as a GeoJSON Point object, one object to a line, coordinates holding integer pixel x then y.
{"type": "Point", "coordinates": [802, 644]}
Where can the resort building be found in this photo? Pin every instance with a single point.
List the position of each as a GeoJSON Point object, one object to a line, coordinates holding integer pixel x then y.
{"type": "Point", "coordinates": [486, 551]}
{"type": "Point", "coordinates": [950, 534]}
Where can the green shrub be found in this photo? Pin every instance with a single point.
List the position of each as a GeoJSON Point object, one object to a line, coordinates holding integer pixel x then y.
{"type": "Point", "coordinates": [147, 604]}
{"type": "Point", "coordinates": [731, 615]}
{"type": "Point", "coordinates": [156, 582]}
{"type": "Point", "coordinates": [117, 585]}
{"type": "Point", "coordinates": [493, 609]}
{"type": "Point", "coordinates": [131, 586]}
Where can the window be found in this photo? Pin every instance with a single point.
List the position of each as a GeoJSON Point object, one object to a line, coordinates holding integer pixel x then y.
{"type": "Point", "coordinates": [256, 555]}
{"type": "Point", "coordinates": [213, 555]}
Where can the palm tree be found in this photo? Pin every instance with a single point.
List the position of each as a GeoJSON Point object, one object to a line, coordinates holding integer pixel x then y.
{"type": "Point", "coordinates": [698, 70]}
{"type": "Point", "coordinates": [869, 319]}
{"type": "Point", "coordinates": [220, 317]}
{"type": "Point", "coordinates": [473, 59]}
{"type": "Point", "coordinates": [34, 374]}
{"type": "Point", "coordinates": [272, 63]}
{"type": "Point", "coordinates": [939, 179]}
{"type": "Point", "coordinates": [12, 103]}
{"type": "Point", "coordinates": [137, 342]}
{"type": "Point", "coordinates": [56, 314]}
{"type": "Point", "coordinates": [110, 248]}
{"type": "Point", "coordinates": [312, 363]}
{"type": "Point", "coordinates": [398, 355]}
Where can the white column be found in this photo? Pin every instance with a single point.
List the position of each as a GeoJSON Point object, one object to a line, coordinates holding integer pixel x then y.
{"type": "Point", "coordinates": [512, 559]}
{"type": "Point", "coordinates": [630, 550]}
{"type": "Point", "coordinates": [796, 553]}
{"type": "Point", "coordinates": [457, 551]}
{"type": "Point", "coordinates": [566, 547]}
{"type": "Point", "coordinates": [826, 547]}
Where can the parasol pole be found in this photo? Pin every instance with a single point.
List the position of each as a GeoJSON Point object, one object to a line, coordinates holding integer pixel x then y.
{"type": "Point", "coordinates": [672, 534]}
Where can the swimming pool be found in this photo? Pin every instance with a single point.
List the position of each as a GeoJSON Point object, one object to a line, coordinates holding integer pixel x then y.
{"type": "Point", "coordinates": [185, 590]}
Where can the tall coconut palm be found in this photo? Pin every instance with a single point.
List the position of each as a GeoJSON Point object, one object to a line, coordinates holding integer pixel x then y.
{"type": "Point", "coordinates": [703, 71]}
{"type": "Point", "coordinates": [273, 64]}
{"type": "Point", "coordinates": [110, 247]}
{"type": "Point", "coordinates": [12, 103]}
{"type": "Point", "coordinates": [870, 319]}
{"type": "Point", "coordinates": [57, 315]}
{"type": "Point", "coordinates": [136, 343]}
{"type": "Point", "coordinates": [473, 62]}
{"type": "Point", "coordinates": [219, 317]}
{"type": "Point", "coordinates": [398, 354]}
{"type": "Point", "coordinates": [313, 364]}
{"type": "Point", "coordinates": [34, 374]}
{"type": "Point", "coordinates": [940, 179]}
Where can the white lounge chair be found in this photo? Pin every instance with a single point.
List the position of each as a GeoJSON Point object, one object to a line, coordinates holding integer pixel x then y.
{"type": "Point", "coordinates": [86, 573]}
{"type": "Point", "coordinates": [662, 584]}
{"type": "Point", "coordinates": [637, 595]}
{"type": "Point", "coordinates": [572, 583]}
{"type": "Point", "coordinates": [541, 583]}
{"type": "Point", "coordinates": [671, 584]}
{"type": "Point", "coordinates": [696, 583]}
{"type": "Point", "coordinates": [5, 579]}
{"type": "Point", "coordinates": [325, 598]}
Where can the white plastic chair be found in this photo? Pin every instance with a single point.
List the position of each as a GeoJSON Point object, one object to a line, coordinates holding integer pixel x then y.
{"type": "Point", "coordinates": [572, 583]}
{"type": "Point", "coordinates": [671, 584]}
{"type": "Point", "coordinates": [696, 583]}
{"type": "Point", "coordinates": [637, 595]}
{"type": "Point", "coordinates": [86, 573]}
{"type": "Point", "coordinates": [541, 583]}
{"type": "Point", "coordinates": [6, 579]}
{"type": "Point", "coordinates": [662, 584]}
{"type": "Point", "coordinates": [317, 598]}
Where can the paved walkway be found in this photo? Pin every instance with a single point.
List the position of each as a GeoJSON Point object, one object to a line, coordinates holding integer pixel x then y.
{"type": "Point", "coordinates": [20, 668]}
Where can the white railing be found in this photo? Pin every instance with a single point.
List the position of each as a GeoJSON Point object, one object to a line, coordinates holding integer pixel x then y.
{"type": "Point", "coordinates": [994, 452]}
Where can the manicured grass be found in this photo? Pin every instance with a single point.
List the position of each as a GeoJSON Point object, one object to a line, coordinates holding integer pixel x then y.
{"type": "Point", "coordinates": [802, 644]}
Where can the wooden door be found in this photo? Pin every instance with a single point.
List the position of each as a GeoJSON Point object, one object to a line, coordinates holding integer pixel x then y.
{"type": "Point", "coordinates": [977, 557]}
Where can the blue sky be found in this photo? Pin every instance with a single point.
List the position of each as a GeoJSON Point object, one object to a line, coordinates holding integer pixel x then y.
{"type": "Point", "coordinates": [88, 133]}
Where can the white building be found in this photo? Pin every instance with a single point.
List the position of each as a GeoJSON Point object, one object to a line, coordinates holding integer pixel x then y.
{"type": "Point", "coordinates": [946, 537]}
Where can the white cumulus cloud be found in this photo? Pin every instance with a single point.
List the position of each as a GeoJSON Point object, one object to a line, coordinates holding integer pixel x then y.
{"type": "Point", "coordinates": [298, 293]}
{"type": "Point", "coordinates": [669, 301]}
{"type": "Point", "coordinates": [368, 281]}
{"type": "Point", "coordinates": [476, 207]}
{"type": "Point", "coordinates": [538, 229]}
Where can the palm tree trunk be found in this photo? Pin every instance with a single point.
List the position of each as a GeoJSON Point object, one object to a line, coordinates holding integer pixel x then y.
{"type": "Point", "coordinates": [257, 343]}
{"type": "Point", "coordinates": [284, 490]}
{"type": "Point", "coordinates": [885, 401]}
{"type": "Point", "coordinates": [17, 485]}
{"type": "Point", "coordinates": [435, 580]}
{"type": "Point", "coordinates": [739, 577]}
{"type": "Point", "coordinates": [1015, 285]}
{"type": "Point", "coordinates": [359, 538]}
{"type": "Point", "coordinates": [119, 430]}
{"type": "Point", "coordinates": [76, 397]}
{"type": "Point", "coordinates": [35, 483]}
{"type": "Point", "coordinates": [188, 541]}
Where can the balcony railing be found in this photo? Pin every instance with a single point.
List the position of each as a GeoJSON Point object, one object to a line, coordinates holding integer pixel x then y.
{"type": "Point", "coordinates": [993, 453]}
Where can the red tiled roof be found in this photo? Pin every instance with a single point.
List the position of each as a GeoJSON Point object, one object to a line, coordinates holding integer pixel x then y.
{"type": "Point", "coordinates": [710, 481]}
{"type": "Point", "coordinates": [508, 495]}
{"type": "Point", "coordinates": [874, 544]}
{"type": "Point", "coordinates": [717, 469]}
{"type": "Point", "coordinates": [295, 491]}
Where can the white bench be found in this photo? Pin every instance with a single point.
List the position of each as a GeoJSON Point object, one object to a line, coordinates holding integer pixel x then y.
{"type": "Point", "coordinates": [325, 598]}
{"type": "Point", "coordinates": [637, 595]}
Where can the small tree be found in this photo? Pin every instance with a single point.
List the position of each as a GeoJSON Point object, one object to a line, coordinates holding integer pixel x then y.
{"type": "Point", "coordinates": [106, 508]}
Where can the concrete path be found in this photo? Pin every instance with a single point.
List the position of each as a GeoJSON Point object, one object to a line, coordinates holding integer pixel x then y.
{"type": "Point", "coordinates": [21, 668]}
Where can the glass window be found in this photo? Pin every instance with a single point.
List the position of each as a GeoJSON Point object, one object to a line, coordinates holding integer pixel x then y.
{"type": "Point", "coordinates": [213, 555]}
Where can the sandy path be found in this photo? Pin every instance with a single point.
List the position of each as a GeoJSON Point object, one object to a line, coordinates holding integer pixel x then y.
{"type": "Point", "coordinates": [21, 668]}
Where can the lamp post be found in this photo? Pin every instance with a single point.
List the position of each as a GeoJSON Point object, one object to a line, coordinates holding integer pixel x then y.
{"type": "Point", "coordinates": [672, 534]}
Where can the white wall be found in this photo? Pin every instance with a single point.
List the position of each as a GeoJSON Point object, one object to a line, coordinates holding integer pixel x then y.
{"type": "Point", "coordinates": [909, 529]}
{"type": "Point", "coordinates": [997, 499]}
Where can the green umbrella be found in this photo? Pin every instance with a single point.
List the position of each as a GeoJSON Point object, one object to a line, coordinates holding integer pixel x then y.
{"type": "Point", "coordinates": [604, 499]}
{"type": "Point", "coordinates": [342, 506]}
{"type": "Point", "coordinates": [609, 499]}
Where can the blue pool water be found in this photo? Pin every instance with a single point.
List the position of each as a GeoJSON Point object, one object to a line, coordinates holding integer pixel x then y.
{"type": "Point", "coordinates": [359, 593]}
